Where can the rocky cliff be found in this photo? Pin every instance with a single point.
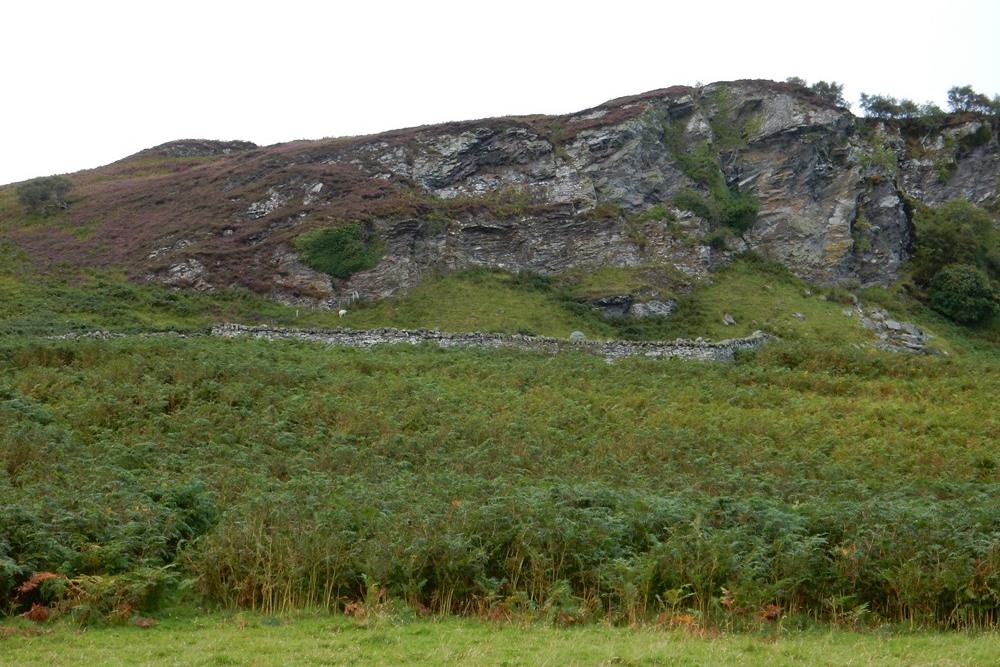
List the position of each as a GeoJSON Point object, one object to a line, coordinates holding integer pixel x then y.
{"type": "Point", "coordinates": [833, 195]}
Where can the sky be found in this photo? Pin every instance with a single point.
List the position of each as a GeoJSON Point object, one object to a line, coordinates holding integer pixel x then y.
{"type": "Point", "coordinates": [88, 83]}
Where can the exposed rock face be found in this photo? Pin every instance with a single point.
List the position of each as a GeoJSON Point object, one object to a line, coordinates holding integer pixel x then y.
{"type": "Point", "coordinates": [832, 197]}
{"type": "Point", "coordinates": [549, 195]}
{"type": "Point", "coordinates": [200, 148]}
{"type": "Point", "coordinates": [961, 161]}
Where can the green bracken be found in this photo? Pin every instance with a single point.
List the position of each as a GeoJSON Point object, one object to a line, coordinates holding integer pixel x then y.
{"type": "Point", "coordinates": [817, 480]}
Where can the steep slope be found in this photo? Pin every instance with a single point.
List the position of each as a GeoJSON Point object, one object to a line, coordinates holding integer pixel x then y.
{"type": "Point", "coordinates": [603, 187]}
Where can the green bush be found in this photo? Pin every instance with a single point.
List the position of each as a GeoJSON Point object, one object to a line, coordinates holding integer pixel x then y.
{"type": "Point", "coordinates": [689, 200]}
{"type": "Point", "coordinates": [40, 194]}
{"type": "Point", "coordinates": [957, 232]}
{"type": "Point", "coordinates": [716, 240]}
{"type": "Point", "coordinates": [658, 212]}
{"type": "Point", "coordinates": [738, 211]}
{"type": "Point", "coordinates": [725, 204]}
{"type": "Point", "coordinates": [340, 251]}
{"type": "Point", "coordinates": [963, 293]}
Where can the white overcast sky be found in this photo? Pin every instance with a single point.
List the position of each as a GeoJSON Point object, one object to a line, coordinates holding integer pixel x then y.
{"type": "Point", "coordinates": [87, 82]}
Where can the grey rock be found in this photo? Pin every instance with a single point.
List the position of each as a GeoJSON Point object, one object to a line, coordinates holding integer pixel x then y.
{"type": "Point", "coordinates": [189, 274]}
{"type": "Point", "coordinates": [652, 308]}
{"type": "Point", "coordinates": [728, 320]}
{"type": "Point", "coordinates": [613, 306]}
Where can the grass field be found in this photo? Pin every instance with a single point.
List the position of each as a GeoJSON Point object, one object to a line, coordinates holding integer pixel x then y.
{"type": "Point", "coordinates": [248, 639]}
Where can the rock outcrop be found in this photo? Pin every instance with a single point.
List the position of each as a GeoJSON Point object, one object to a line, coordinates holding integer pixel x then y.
{"type": "Point", "coordinates": [544, 194]}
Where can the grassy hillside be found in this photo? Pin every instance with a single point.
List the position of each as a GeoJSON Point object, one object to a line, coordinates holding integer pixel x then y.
{"type": "Point", "coordinates": [816, 479]}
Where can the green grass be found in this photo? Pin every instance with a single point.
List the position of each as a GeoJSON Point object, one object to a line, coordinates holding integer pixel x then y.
{"type": "Point", "coordinates": [613, 280]}
{"type": "Point", "coordinates": [765, 296]}
{"type": "Point", "coordinates": [480, 300]}
{"type": "Point", "coordinates": [102, 302]}
{"type": "Point", "coordinates": [759, 295]}
{"type": "Point", "coordinates": [246, 639]}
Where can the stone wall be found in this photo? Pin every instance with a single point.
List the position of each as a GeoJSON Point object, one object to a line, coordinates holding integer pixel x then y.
{"type": "Point", "coordinates": [698, 349]}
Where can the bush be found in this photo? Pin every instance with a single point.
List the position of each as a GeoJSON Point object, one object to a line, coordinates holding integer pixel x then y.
{"type": "Point", "coordinates": [689, 200]}
{"type": "Point", "coordinates": [980, 137]}
{"type": "Point", "coordinates": [957, 232]}
{"type": "Point", "coordinates": [716, 240]}
{"type": "Point", "coordinates": [738, 211]}
{"type": "Point", "coordinates": [340, 251]}
{"type": "Point", "coordinates": [41, 194]}
{"type": "Point", "coordinates": [965, 99]}
{"type": "Point", "coordinates": [963, 293]}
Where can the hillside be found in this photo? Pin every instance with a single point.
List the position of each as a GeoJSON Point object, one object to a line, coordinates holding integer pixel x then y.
{"type": "Point", "coordinates": [613, 186]}
{"type": "Point", "coordinates": [558, 464]}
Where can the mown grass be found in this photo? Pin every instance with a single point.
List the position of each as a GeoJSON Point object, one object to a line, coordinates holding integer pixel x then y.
{"type": "Point", "coordinates": [244, 639]}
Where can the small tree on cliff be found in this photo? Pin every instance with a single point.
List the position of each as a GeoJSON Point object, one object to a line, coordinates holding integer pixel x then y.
{"type": "Point", "coordinates": [40, 194]}
{"type": "Point", "coordinates": [832, 90]}
{"type": "Point", "coordinates": [964, 98]}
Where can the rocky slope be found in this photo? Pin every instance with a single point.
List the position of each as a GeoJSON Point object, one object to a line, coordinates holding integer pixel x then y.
{"type": "Point", "coordinates": [544, 194]}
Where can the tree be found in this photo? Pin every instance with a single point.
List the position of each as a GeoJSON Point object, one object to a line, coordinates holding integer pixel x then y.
{"type": "Point", "coordinates": [958, 260]}
{"type": "Point", "coordinates": [965, 99]}
{"type": "Point", "coordinates": [957, 232]}
{"type": "Point", "coordinates": [831, 91]}
{"type": "Point", "coordinates": [880, 106]}
{"type": "Point", "coordinates": [40, 194]}
{"type": "Point", "coordinates": [963, 293]}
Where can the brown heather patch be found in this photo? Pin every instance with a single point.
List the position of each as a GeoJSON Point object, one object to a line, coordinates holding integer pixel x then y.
{"type": "Point", "coordinates": [139, 205]}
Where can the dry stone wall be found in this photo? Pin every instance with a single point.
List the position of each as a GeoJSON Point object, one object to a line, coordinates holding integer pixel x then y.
{"type": "Point", "coordinates": [612, 350]}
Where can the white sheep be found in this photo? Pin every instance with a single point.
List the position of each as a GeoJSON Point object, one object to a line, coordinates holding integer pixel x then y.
{"type": "Point", "coordinates": [342, 312]}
